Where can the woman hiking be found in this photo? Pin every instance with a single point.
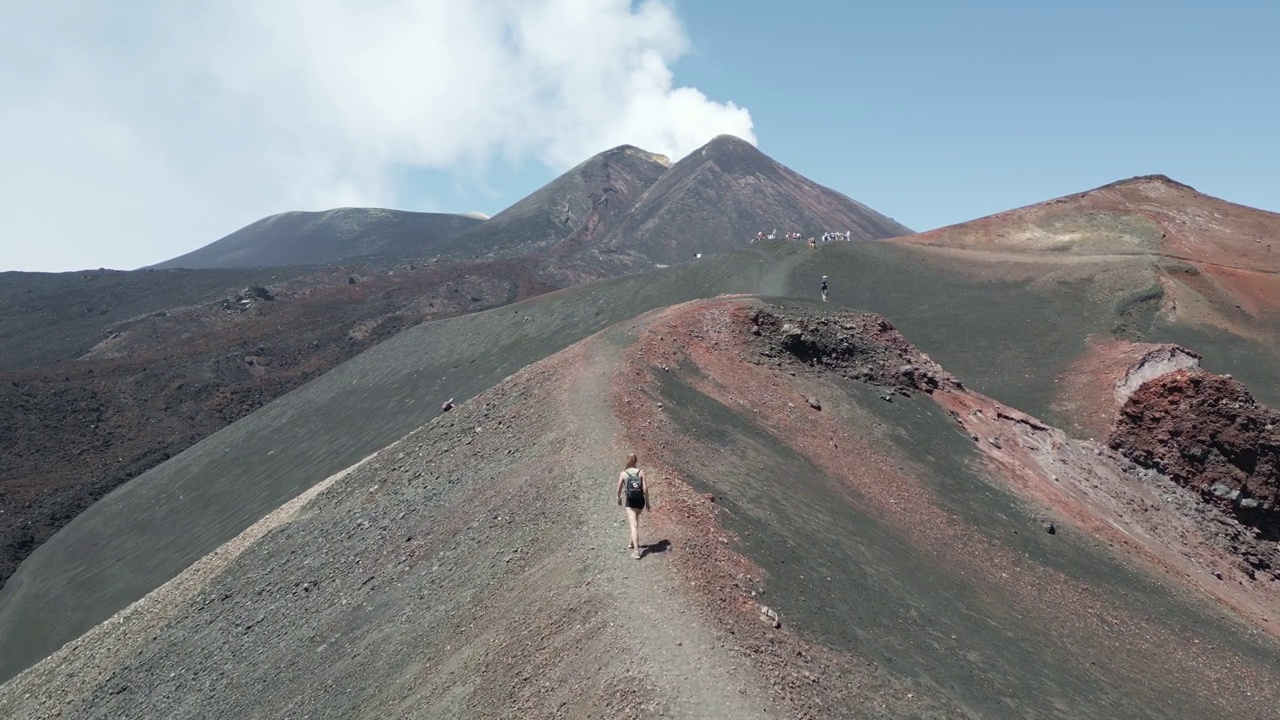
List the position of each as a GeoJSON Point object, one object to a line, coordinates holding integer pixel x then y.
{"type": "Point", "coordinates": [633, 493]}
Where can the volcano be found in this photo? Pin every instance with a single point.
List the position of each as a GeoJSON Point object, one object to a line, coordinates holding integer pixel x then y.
{"type": "Point", "coordinates": [97, 390]}
{"type": "Point", "coordinates": [316, 238]}
{"type": "Point", "coordinates": [576, 203]}
{"type": "Point", "coordinates": [1002, 473]}
{"type": "Point", "coordinates": [751, 193]}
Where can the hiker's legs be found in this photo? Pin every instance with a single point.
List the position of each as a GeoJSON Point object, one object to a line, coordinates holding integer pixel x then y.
{"type": "Point", "coordinates": [633, 519]}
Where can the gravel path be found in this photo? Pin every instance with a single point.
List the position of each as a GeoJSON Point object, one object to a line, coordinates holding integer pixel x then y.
{"type": "Point", "coordinates": [671, 643]}
{"type": "Point", "coordinates": [423, 582]}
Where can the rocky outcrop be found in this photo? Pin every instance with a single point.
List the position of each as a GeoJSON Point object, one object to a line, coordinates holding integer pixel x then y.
{"type": "Point", "coordinates": [1206, 432]}
{"type": "Point", "coordinates": [1153, 363]}
{"type": "Point", "coordinates": [245, 299]}
{"type": "Point", "coordinates": [859, 346]}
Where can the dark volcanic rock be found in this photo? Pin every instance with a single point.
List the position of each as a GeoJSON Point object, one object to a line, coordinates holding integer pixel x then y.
{"type": "Point", "coordinates": [312, 238]}
{"type": "Point", "coordinates": [112, 334]}
{"type": "Point", "coordinates": [1207, 432]}
{"type": "Point", "coordinates": [327, 424]}
{"type": "Point", "coordinates": [860, 346]}
{"type": "Point", "coordinates": [567, 212]}
{"type": "Point", "coordinates": [47, 318]}
{"type": "Point", "coordinates": [720, 196]}
{"type": "Point", "coordinates": [75, 430]}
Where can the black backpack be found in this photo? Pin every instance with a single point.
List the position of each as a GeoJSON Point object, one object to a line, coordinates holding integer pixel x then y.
{"type": "Point", "coordinates": [634, 487]}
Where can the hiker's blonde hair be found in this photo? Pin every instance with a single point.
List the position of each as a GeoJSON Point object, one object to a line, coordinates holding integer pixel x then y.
{"type": "Point", "coordinates": [631, 461]}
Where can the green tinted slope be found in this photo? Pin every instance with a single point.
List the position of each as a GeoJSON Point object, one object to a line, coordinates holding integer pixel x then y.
{"type": "Point", "coordinates": [46, 318]}
{"type": "Point", "coordinates": [1005, 338]}
{"type": "Point", "coordinates": [857, 583]}
{"type": "Point", "coordinates": [1010, 339]}
{"type": "Point", "coordinates": [148, 530]}
{"type": "Point", "coordinates": [314, 238]}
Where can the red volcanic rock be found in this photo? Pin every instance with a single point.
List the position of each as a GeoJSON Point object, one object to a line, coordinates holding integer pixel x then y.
{"type": "Point", "coordinates": [1206, 432]}
{"type": "Point", "coordinates": [1213, 263]}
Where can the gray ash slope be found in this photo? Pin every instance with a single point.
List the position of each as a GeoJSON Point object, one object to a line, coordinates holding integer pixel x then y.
{"type": "Point", "coordinates": [750, 192]}
{"type": "Point", "coordinates": [47, 318]}
{"type": "Point", "coordinates": [315, 238]}
{"type": "Point", "coordinates": [421, 585]}
{"type": "Point", "coordinates": [53, 323]}
{"type": "Point", "coordinates": [407, 602]}
{"type": "Point", "coordinates": [577, 202]}
{"type": "Point", "coordinates": [627, 209]}
{"type": "Point", "coordinates": [110, 555]}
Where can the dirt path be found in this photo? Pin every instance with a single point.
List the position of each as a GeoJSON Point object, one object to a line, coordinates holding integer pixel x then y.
{"type": "Point", "coordinates": [547, 616]}
{"type": "Point", "coordinates": [1050, 258]}
{"type": "Point", "coordinates": [673, 645]}
{"type": "Point", "coordinates": [477, 568]}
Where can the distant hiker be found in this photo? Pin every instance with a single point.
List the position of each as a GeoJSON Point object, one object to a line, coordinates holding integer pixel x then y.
{"type": "Point", "coordinates": [824, 288]}
{"type": "Point", "coordinates": [846, 236]}
{"type": "Point", "coordinates": [447, 405]}
{"type": "Point", "coordinates": [773, 234]}
{"type": "Point", "coordinates": [633, 494]}
{"type": "Point", "coordinates": [813, 244]}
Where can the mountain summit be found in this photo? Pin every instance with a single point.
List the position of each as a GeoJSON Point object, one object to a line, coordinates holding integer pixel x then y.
{"type": "Point", "coordinates": [621, 208]}
{"type": "Point", "coordinates": [271, 328]}
{"type": "Point", "coordinates": [574, 204]}
{"type": "Point", "coordinates": [724, 193]}
{"type": "Point", "coordinates": [1196, 260]}
{"type": "Point", "coordinates": [315, 238]}
{"type": "Point", "coordinates": [629, 208]}
{"type": "Point", "coordinates": [1015, 457]}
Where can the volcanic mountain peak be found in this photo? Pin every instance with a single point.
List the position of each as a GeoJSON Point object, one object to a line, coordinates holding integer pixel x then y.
{"type": "Point", "coordinates": [721, 196]}
{"type": "Point", "coordinates": [769, 429]}
{"type": "Point", "coordinates": [568, 209]}
{"type": "Point", "coordinates": [1154, 245]}
{"type": "Point", "coordinates": [1148, 214]}
{"type": "Point", "coordinates": [313, 238]}
{"type": "Point", "coordinates": [729, 143]}
{"type": "Point", "coordinates": [732, 154]}
{"type": "Point", "coordinates": [1139, 181]}
{"type": "Point", "coordinates": [640, 153]}
{"type": "Point", "coordinates": [629, 208]}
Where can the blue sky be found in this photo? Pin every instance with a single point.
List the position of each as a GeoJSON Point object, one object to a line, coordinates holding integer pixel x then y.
{"type": "Point", "coordinates": [939, 112]}
{"type": "Point", "coordinates": [134, 135]}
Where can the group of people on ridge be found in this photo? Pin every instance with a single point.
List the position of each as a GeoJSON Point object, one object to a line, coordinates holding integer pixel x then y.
{"type": "Point", "coordinates": [846, 236]}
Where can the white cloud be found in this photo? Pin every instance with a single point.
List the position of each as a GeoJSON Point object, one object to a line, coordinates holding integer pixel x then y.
{"type": "Point", "coordinates": [129, 136]}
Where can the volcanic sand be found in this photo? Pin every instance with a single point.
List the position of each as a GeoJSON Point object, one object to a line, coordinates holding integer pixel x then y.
{"type": "Point", "coordinates": [477, 569]}
{"type": "Point", "coordinates": [1010, 338]}
{"type": "Point", "coordinates": [124, 546]}
{"type": "Point", "coordinates": [474, 569]}
{"type": "Point", "coordinates": [883, 534]}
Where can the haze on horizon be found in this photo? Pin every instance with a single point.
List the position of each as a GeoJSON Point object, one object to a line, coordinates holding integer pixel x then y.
{"type": "Point", "coordinates": [135, 136]}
